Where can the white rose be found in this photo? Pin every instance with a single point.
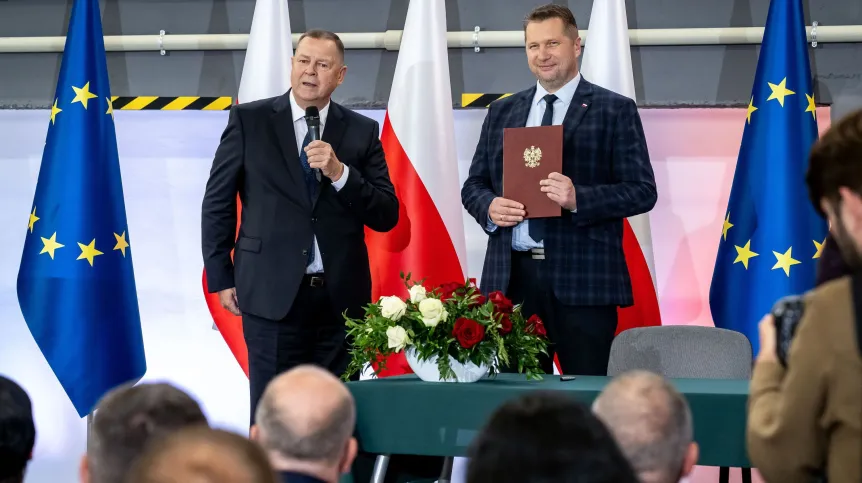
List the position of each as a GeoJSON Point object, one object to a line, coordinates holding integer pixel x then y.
{"type": "Point", "coordinates": [398, 339]}
{"type": "Point", "coordinates": [417, 293]}
{"type": "Point", "coordinates": [392, 307]}
{"type": "Point", "coordinates": [432, 312]}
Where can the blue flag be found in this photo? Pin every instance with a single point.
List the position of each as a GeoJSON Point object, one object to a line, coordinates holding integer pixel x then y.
{"type": "Point", "coordinates": [772, 236]}
{"type": "Point", "coordinates": [76, 286]}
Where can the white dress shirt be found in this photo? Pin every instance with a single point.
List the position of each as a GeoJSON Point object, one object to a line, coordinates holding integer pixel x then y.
{"type": "Point", "coordinates": [521, 240]}
{"type": "Point", "coordinates": [300, 129]}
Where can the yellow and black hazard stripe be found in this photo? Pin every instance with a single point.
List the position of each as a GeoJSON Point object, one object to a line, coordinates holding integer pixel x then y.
{"type": "Point", "coordinates": [182, 103]}
{"type": "Point", "coordinates": [480, 100]}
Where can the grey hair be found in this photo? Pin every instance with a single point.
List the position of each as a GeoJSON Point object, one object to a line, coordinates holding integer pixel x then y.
{"type": "Point", "coordinates": [324, 442]}
{"type": "Point", "coordinates": [651, 422]}
{"type": "Point", "coordinates": [130, 418]}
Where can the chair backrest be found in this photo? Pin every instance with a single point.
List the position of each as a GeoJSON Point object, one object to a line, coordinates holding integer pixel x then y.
{"type": "Point", "coordinates": [682, 351]}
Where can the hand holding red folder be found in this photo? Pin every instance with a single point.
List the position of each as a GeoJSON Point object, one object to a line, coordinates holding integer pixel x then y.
{"type": "Point", "coordinates": [505, 212]}
{"type": "Point", "coordinates": [561, 190]}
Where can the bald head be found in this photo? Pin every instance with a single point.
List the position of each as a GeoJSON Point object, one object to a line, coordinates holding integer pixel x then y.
{"type": "Point", "coordinates": [651, 422]}
{"type": "Point", "coordinates": [306, 415]}
{"type": "Point", "coordinates": [203, 455]}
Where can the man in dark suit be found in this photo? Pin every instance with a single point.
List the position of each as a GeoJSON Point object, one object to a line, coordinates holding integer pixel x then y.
{"type": "Point", "coordinates": [569, 270]}
{"type": "Point", "coordinates": [300, 258]}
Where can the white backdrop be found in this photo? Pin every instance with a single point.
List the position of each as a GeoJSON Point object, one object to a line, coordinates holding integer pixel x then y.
{"type": "Point", "coordinates": [166, 158]}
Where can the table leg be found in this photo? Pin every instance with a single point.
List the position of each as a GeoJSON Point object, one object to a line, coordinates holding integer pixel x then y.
{"type": "Point", "coordinates": [380, 465]}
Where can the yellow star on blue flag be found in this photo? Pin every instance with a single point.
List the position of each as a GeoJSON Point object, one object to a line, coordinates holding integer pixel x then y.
{"type": "Point", "coordinates": [768, 199]}
{"type": "Point", "coordinates": [83, 314]}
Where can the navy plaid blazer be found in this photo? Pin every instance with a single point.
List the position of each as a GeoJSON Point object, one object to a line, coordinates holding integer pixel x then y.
{"type": "Point", "coordinates": [605, 155]}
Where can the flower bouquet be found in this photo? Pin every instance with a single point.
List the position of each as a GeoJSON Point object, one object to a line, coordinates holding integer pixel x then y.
{"type": "Point", "coordinates": [453, 328]}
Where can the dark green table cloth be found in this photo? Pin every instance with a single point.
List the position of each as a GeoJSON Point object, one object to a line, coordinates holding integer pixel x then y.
{"type": "Point", "coordinates": [404, 415]}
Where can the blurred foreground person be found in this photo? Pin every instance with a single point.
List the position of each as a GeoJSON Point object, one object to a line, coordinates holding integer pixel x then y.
{"type": "Point", "coordinates": [651, 421]}
{"type": "Point", "coordinates": [203, 455]}
{"type": "Point", "coordinates": [17, 431]}
{"type": "Point", "coordinates": [129, 419]}
{"type": "Point", "coordinates": [805, 407]}
{"type": "Point", "coordinates": [546, 437]}
{"type": "Point", "coordinates": [305, 423]}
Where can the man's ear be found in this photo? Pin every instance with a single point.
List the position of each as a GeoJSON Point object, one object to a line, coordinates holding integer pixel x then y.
{"type": "Point", "coordinates": [851, 200]}
{"type": "Point", "coordinates": [342, 73]}
{"type": "Point", "coordinates": [254, 434]}
{"type": "Point", "coordinates": [690, 459]}
{"type": "Point", "coordinates": [84, 470]}
{"type": "Point", "coordinates": [349, 455]}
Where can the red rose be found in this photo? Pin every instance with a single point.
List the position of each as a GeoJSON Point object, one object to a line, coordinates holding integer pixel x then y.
{"type": "Point", "coordinates": [536, 326]}
{"type": "Point", "coordinates": [507, 325]}
{"type": "Point", "coordinates": [468, 332]}
{"type": "Point", "coordinates": [447, 290]}
{"type": "Point", "coordinates": [501, 303]}
{"type": "Point", "coordinates": [478, 301]}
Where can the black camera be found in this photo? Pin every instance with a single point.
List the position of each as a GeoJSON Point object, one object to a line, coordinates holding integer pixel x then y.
{"type": "Point", "coordinates": [787, 313]}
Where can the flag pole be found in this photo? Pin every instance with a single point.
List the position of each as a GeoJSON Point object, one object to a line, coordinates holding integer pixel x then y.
{"type": "Point", "coordinates": [89, 430]}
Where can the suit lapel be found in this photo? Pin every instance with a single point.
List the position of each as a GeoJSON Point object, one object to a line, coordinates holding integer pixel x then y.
{"type": "Point", "coordinates": [522, 111]}
{"type": "Point", "coordinates": [282, 125]}
{"type": "Point", "coordinates": [333, 131]}
{"type": "Point", "coordinates": [577, 108]}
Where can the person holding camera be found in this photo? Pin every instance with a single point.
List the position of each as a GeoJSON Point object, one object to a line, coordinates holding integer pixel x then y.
{"type": "Point", "coordinates": [805, 404]}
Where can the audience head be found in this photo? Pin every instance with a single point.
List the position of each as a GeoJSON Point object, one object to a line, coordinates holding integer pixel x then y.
{"type": "Point", "coordinates": [651, 422]}
{"type": "Point", "coordinates": [202, 455]}
{"type": "Point", "coordinates": [835, 184]}
{"type": "Point", "coordinates": [17, 431]}
{"type": "Point", "coordinates": [546, 437]}
{"type": "Point", "coordinates": [305, 421]}
{"type": "Point", "coordinates": [128, 419]}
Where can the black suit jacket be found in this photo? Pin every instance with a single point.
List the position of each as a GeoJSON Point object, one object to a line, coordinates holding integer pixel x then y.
{"type": "Point", "coordinates": [257, 158]}
{"type": "Point", "coordinates": [605, 155]}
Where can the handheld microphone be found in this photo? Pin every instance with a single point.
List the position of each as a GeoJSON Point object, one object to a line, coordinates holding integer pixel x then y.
{"type": "Point", "coordinates": [312, 119]}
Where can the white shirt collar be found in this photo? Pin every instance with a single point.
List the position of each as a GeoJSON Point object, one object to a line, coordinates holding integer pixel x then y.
{"type": "Point", "coordinates": [299, 113]}
{"type": "Point", "coordinates": [564, 94]}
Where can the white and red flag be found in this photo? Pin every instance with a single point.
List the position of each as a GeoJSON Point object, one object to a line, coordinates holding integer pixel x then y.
{"type": "Point", "coordinates": [418, 137]}
{"type": "Point", "coordinates": [265, 74]}
{"type": "Point", "coordinates": [607, 62]}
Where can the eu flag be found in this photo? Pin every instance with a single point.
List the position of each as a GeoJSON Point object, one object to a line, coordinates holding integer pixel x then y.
{"type": "Point", "coordinates": [771, 237]}
{"type": "Point", "coordinates": [76, 286]}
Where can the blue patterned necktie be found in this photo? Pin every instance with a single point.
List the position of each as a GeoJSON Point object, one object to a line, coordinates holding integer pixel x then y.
{"type": "Point", "coordinates": [537, 225]}
{"type": "Point", "coordinates": [310, 183]}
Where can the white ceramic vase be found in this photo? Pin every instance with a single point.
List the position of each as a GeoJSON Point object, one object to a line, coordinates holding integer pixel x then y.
{"type": "Point", "coordinates": [427, 369]}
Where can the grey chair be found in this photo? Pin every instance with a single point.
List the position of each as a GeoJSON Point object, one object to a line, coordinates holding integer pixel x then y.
{"type": "Point", "coordinates": [685, 351]}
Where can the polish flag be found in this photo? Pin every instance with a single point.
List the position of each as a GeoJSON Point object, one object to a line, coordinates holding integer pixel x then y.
{"type": "Point", "coordinates": [418, 138]}
{"type": "Point", "coordinates": [607, 62]}
{"type": "Point", "coordinates": [265, 73]}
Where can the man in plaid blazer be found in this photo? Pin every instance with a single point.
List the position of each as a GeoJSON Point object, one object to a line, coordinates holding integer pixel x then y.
{"type": "Point", "coordinates": [568, 270]}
